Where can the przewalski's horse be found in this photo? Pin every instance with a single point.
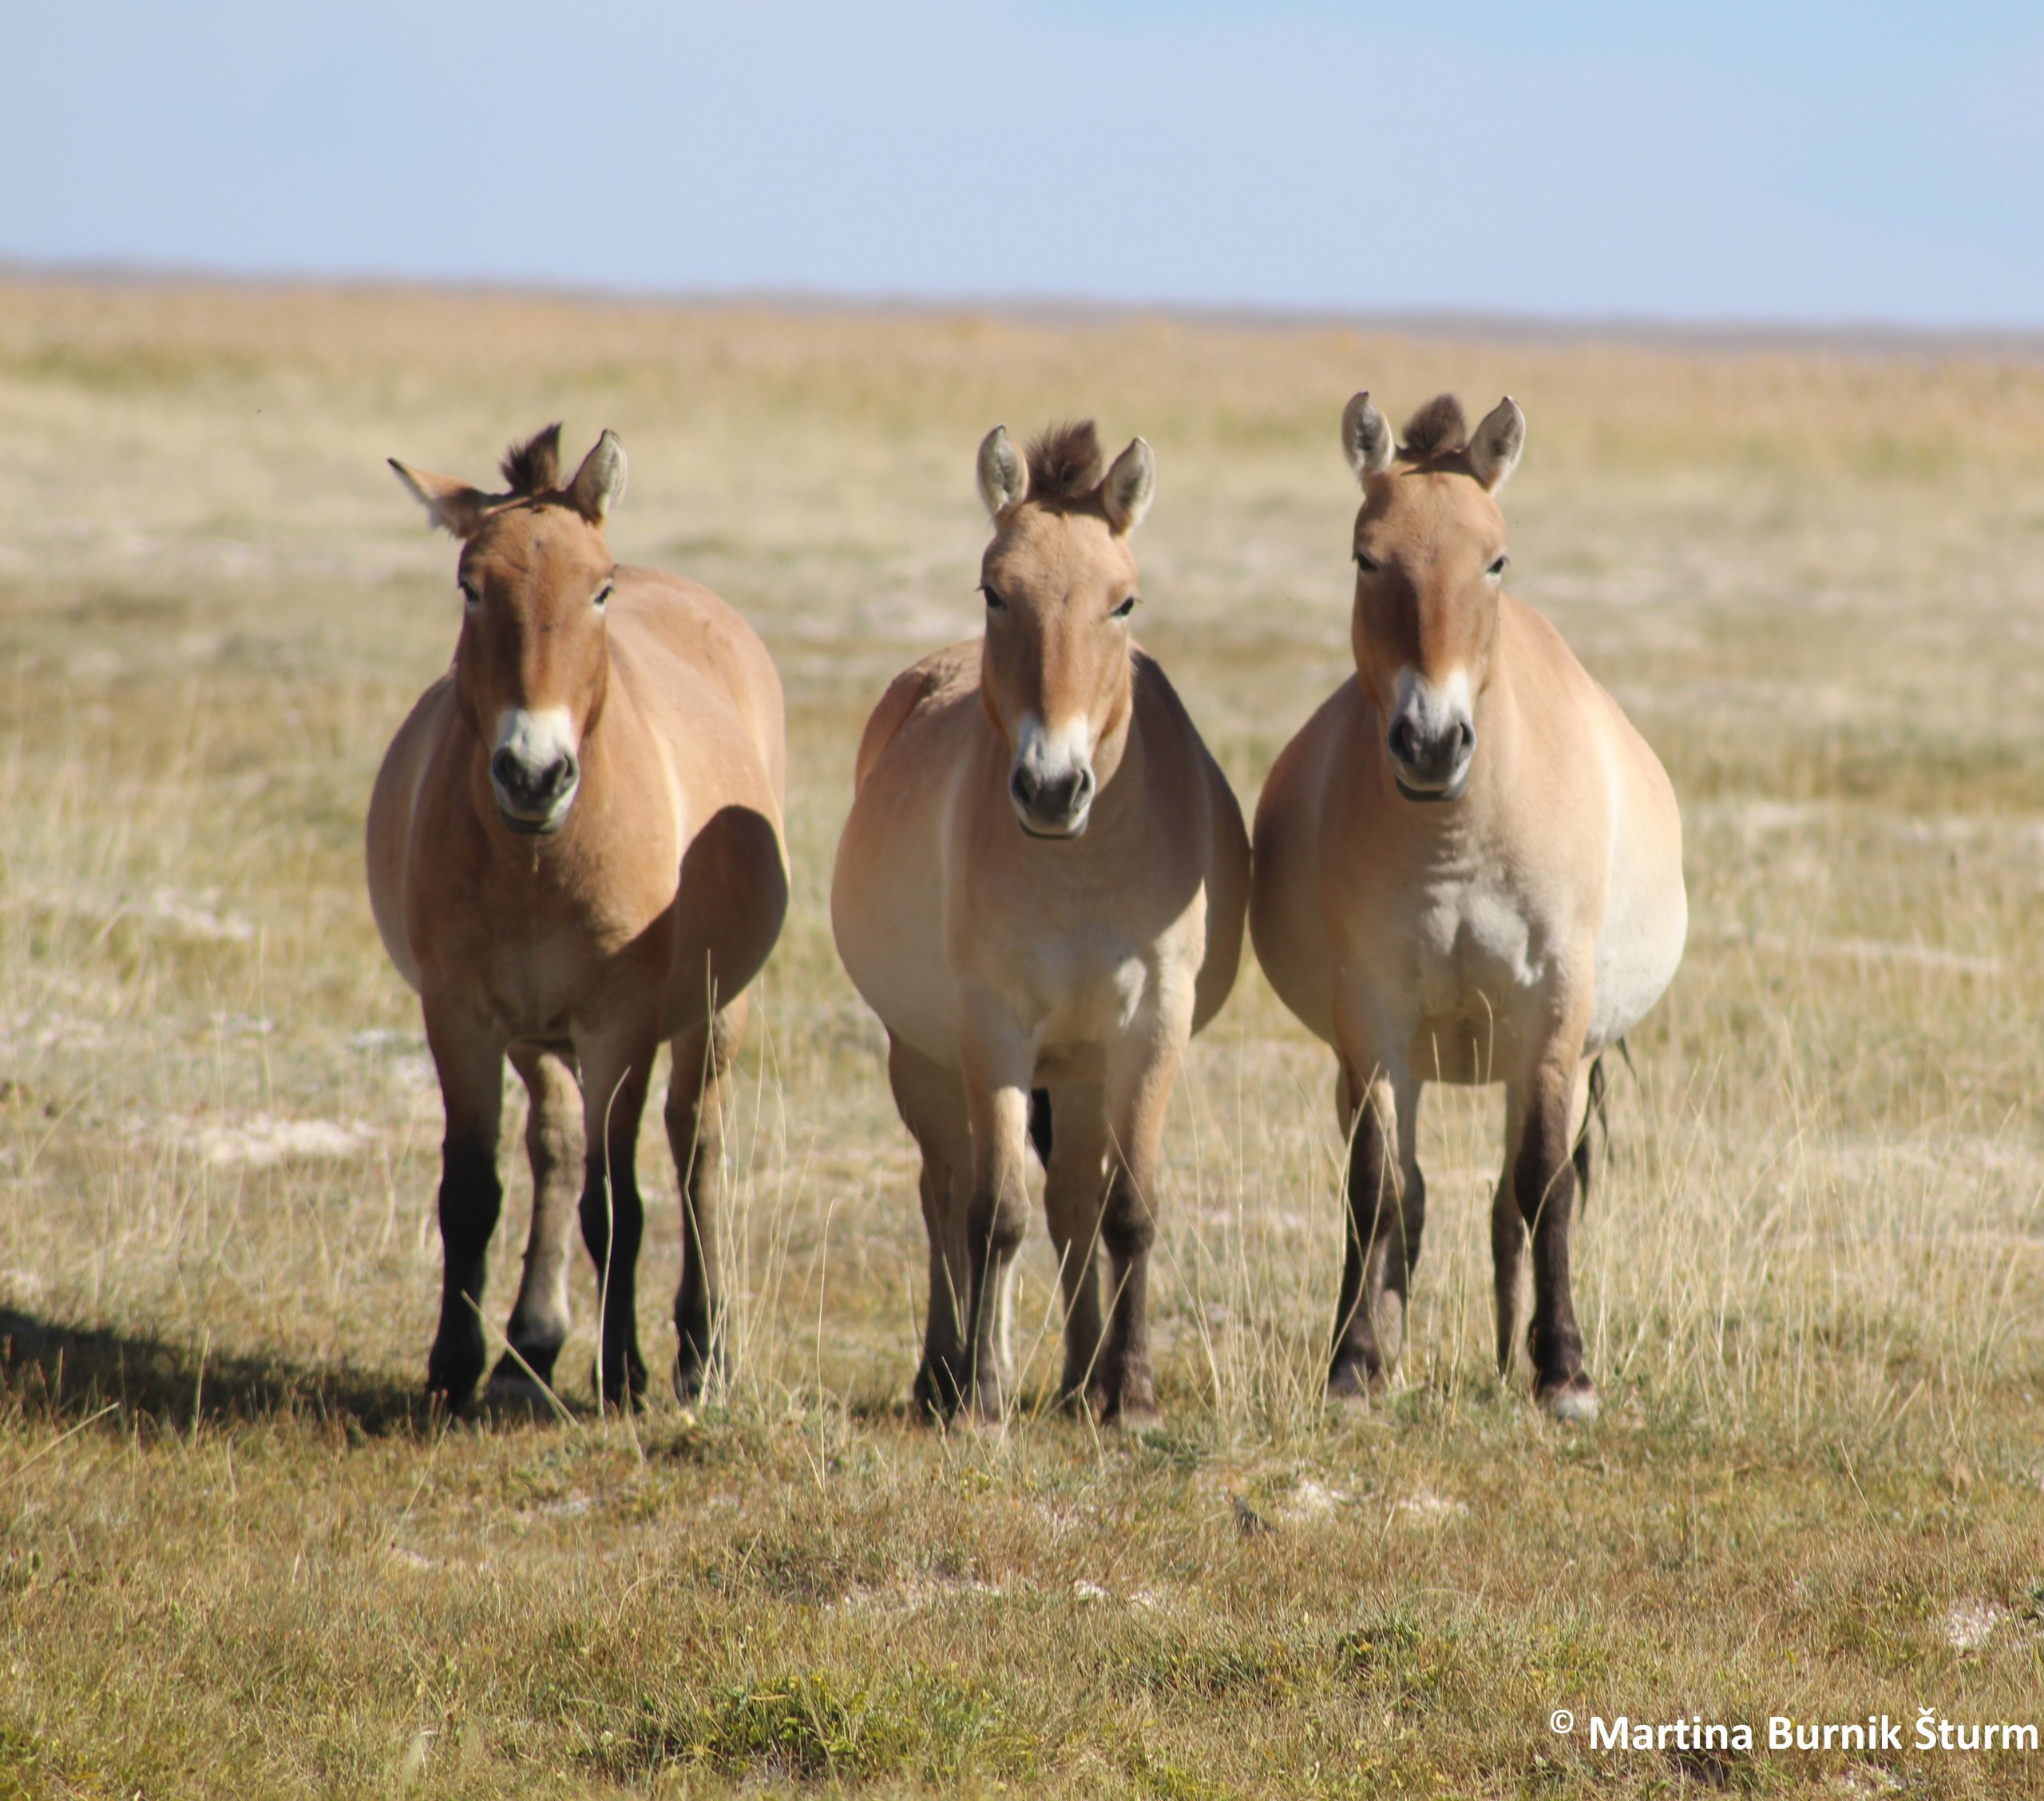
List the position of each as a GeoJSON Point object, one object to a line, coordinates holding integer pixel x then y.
{"type": "Point", "coordinates": [1041, 887]}
{"type": "Point", "coordinates": [1468, 869]}
{"type": "Point", "coordinates": [574, 854]}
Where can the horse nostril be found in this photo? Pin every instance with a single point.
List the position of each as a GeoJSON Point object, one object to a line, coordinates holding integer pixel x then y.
{"type": "Point", "coordinates": [1022, 785]}
{"type": "Point", "coordinates": [1465, 737]}
{"type": "Point", "coordinates": [1405, 742]}
{"type": "Point", "coordinates": [505, 768]}
{"type": "Point", "coordinates": [561, 777]}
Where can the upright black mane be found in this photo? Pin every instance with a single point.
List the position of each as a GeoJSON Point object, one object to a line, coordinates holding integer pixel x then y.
{"type": "Point", "coordinates": [1436, 430]}
{"type": "Point", "coordinates": [534, 466]}
{"type": "Point", "coordinates": [1064, 462]}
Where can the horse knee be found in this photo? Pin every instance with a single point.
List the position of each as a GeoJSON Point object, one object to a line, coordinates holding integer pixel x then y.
{"type": "Point", "coordinates": [1128, 1224]}
{"type": "Point", "coordinates": [999, 1221]}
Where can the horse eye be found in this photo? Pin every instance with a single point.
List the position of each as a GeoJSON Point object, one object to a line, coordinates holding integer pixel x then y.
{"type": "Point", "coordinates": [995, 602]}
{"type": "Point", "coordinates": [469, 597]}
{"type": "Point", "coordinates": [1497, 568]}
{"type": "Point", "coordinates": [1125, 609]}
{"type": "Point", "coordinates": [1368, 564]}
{"type": "Point", "coordinates": [603, 594]}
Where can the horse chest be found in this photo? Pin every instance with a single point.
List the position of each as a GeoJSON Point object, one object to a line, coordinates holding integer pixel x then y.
{"type": "Point", "coordinates": [1469, 939]}
{"type": "Point", "coordinates": [544, 969]}
{"type": "Point", "coordinates": [1082, 986]}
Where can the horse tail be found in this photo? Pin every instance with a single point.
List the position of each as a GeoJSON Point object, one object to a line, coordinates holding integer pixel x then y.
{"type": "Point", "coordinates": [1595, 1113]}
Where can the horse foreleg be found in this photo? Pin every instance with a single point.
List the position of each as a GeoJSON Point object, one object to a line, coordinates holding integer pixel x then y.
{"type": "Point", "coordinates": [554, 1145]}
{"type": "Point", "coordinates": [471, 1062]}
{"type": "Point", "coordinates": [931, 1100]}
{"type": "Point", "coordinates": [1385, 1216]}
{"type": "Point", "coordinates": [999, 1064]}
{"type": "Point", "coordinates": [1075, 1188]}
{"type": "Point", "coordinates": [1543, 1183]}
{"type": "Point", "coordinates": [1140, 1079]}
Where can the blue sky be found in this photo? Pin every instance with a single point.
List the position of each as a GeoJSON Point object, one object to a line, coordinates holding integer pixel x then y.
{"type": "Point", "coordinates": [1824, 163]}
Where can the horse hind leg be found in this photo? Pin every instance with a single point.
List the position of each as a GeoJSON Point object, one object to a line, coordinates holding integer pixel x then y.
{"type": "Point", "coordinates": [1508, 1235]}
{"type": "Point", "coordinates": [615, 1070]}
{"type": "Point", "coordinates": [1592, 1111]}
{"type": "Point", "coordinates": [694, 1122]}
{"type": "Point", "coordinates": [540, 1321]}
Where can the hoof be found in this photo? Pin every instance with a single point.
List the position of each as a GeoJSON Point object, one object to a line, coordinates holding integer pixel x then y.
{"type": "Point", "coordinates": [513, 1393]}
{"type": "Point", "coordinates": [1573, 1402]}
{"type": "Point", "coordinates": [1352, 1379]}
{"type": "Point", "coordinates": [694, 1377]}
{"type": "Point", "coordinates": [628, 1395]}
{"type": "Point", "coordinates": [449, 1397]}
{"type": "Point", "coordinates": [937, 1392]}
{"type": "Point", "coordinates": [1131, 1404]}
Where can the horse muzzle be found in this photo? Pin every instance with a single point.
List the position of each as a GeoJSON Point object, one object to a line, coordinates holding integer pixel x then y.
{"type": "Point", "coordinates": [532, 802]}
{"type": "Point", "coordinates": [1429, 767]}
{"type": "Point", "coordinates": [1051, 806]}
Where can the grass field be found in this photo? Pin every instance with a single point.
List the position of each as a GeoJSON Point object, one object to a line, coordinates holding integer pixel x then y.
{"type": "Point", "coordinates": [237, 1558]}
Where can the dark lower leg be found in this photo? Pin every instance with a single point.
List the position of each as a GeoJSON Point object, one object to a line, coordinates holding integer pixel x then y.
{"type": "Point", "coordinates": [1507, 1263]}
{"type": "Point", "coordinates": [1543, 1180]}
{"type": "Point", "coordinates": [470, 1199]}
{"type": "Point", "coordinates": [941, 1378]}
{"type": "Point", "coordinates": [613, 1222]}
{"type": "Point", "coordinates": [1128, 1229]}
{"type": "Point", "coordinates": [1384, 1217]}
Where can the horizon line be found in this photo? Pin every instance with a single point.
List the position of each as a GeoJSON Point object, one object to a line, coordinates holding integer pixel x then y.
{"type": "Point", "coordinates": [1873, 335]}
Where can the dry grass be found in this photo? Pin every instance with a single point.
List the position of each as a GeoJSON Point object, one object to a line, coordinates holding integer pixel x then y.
{"type": "Point", "coordinates": [234, 1556]}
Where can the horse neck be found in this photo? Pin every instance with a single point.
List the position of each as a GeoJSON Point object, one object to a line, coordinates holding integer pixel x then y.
{"type": "Point", "coordinates": [1128, 788]}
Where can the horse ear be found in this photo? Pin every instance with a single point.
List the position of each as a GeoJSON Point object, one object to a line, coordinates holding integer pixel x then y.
{"type": "Point", "coordinates": [1003, 477]}
{"type": "Point", "coordinates": [1494, 448]}
{"type": "Point", "coordinates": [599, 484]}
{"type": "Point", "coordinates": [1130, 487]}
{"type": "Point", "coordinates": [1366, 439]}
{"type": "Point", "coordinates": [455, 506]}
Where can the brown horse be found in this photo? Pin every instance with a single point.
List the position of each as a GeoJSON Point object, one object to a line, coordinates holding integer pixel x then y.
{"type": "Point", "coordinates": [1041, 890]}
{"type": "Point", "coordinates": [1468, 869]}
{"type": "Point", "coordinates": [574, 853]}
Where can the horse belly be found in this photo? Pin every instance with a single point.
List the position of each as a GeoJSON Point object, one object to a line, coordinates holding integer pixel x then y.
{"type": "Point", "coordinates": [1637, 951]}
{"type": "Point", "coordinates": [887, 916]}
{"type": "Point", "coordinates": [1639, 942]}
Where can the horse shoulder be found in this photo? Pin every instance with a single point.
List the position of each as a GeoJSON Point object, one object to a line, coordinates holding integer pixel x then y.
{"type": "Point", "coordinates": [921, 688]}
{"type": "Point", "coordinates": [412, 834]}
{"type": "Point", "coordinates": [699, 679]}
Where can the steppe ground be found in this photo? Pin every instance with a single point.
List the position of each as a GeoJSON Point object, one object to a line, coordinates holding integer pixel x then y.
{"type": "Point", "coordinates": [237, 1557]}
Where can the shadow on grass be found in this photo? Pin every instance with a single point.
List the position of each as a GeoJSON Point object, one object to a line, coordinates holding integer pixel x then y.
{"type": "Point", "coordinates": [74, 1371]}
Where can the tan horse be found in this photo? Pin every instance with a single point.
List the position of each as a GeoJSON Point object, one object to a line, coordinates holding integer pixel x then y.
{"type": "Point", "coordinates": [1468, 869]}
{"type": "Point", "coordinates": [574, 854]}
{"type": "Point", "coordinates": [1041, 891]}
